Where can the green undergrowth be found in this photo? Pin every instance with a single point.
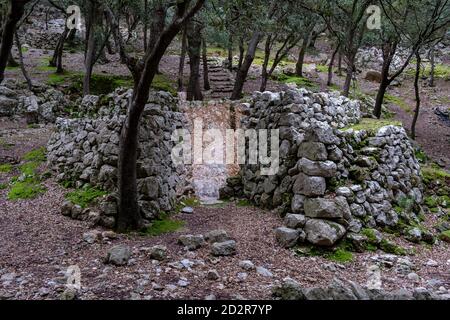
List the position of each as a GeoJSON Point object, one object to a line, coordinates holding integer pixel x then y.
{"type": "Point", "coordinates": [322, 68]}
{"type": "Point", "coordinates": [441, 71]}
{"type": "Point", "coordinates": [432, 173]}
{"type": "Point", "coordinates": [104, 84]}
{"type": "Point", "coordinates": [243, 203]}
{"type": "Point", "coordinates": [391, 99]}
{"type": "Point", "coordinates": [85, 196]}
{"type": "Point", "coordinates": [385, 245]}
{"type": "Point", "coordinates": [28, 184]}
{"type": "Point", "coordinates": [6, 168]}
{"type": "Point", "coordinates": [299, 81]}
{"type": "Point", "coordinates": [373, 125]}
{"type": "Point", "coordinates": [341, 253]}
{"type": "Point", "coordinates": [163, 225]}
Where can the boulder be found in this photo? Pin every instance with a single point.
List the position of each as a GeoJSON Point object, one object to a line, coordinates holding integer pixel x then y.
{"type": "Point", "coordinates": [226, 248]}
{"type": "Point", "coordinates": [372, 75]}
{"type": "Point", "coordinates": [309, 186]}
{"type": "Point", "coordinates": [287, 237]}
{"type": "Point", "coordinates": [315, 151]}
{"type": "Point", "coordinates": [323, 208]}
{"type": "Point", "coordinates": [191, 242]}
{"type": "Point", "coordinates": [217, 236]}
{"type": "Point", "coordinates": [323, 232]}
{"type": "Point", "coordinates": [325, 169]}
{"type": "Point", "coordinates": [118, 255]}
{"type": "Point", "coordinates": [295, 221]}
{"type": "Point", "coordinates": [158, 252]}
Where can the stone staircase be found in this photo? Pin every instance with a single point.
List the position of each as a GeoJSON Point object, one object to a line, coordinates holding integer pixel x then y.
{"type": "Point", "coordinates": [220, 79]}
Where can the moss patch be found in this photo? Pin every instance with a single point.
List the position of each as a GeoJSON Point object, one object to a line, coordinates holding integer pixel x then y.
{"type": "Point", "coordinates": [243, 203]}
{"type": "Point", "coordinates": [38, 155]}
{"type": "Point", "coordinates": [27, 185]}
{"type": "Point", "coordinates": [432, 173]}
{"type": "Point", "coordinates": [390, 247]}
{"type": "Point", "coordinates": [341, 255]}
{"type": "Point", "coordinates": [29, 189]}
{"type": "Point", "coordinates": [373, 125]}
{"type": "Point", "coordinates": [85, 196]}
{"type": "Point", "coordinates": [6, 168]}
{"type": "Point", "coordinates": [299, 81]}
{"type": "Point", "coordinates": [388, 98]}
{"type": "Point", "coordinates": [164, 225]}
{"type": "Point", "coordinates": [163, 83]}
{"type": "Point", "coordinates": [445, 236]}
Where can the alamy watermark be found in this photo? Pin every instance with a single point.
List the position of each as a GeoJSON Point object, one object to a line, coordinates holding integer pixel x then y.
{"type": "Point", "coordinates": [240, 146]}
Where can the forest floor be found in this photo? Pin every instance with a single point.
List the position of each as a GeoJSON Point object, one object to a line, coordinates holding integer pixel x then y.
{"type": "Point", "coordinates": [38, 244]}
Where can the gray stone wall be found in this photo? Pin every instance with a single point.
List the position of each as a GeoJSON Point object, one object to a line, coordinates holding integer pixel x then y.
{"type": "Point", "coordinates": [332, 180]}
{"type": "Point", "coordinates": [85, 150]}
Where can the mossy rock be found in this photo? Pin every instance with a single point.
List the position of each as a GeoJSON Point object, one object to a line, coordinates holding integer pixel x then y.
{"type": "Point", "coordinates": [445, 236]}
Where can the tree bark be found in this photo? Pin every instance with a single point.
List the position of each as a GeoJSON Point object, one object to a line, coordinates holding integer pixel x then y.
{"type": "Point", "coordinates": [56, 60]}
{"type": "Point", "coordinates": [194, 91]}
{"type": "Point", "coordinates": [22, 64]}
{"type": "Point", "coordinates": [382, 89]}
{"type": "Point", "coordinates": [301, 59]}
{"type": "Point", "coordinates": [182, 61]}
{"type": "Point", "coordinates": [417, 93]}
{"type": "Point", "coordinates": [145, 24]}
{"type": "Point", "coordinates": [128, 214]}
{"type": "Point", "coordinates": [241, 53]}
{"type": "Point", "coordinates": [230, 52]}
{"type": "Point", "coordinates": [264, 74]}
{"type": "Point", "coordinates": [12, 63]}
{"type": "Point", "coordinates": [15, 13]}
{"type": "Point", "coordinates": [330, 67]}
{"type": "Point", "coordinates": [340, 64]}
{"type": "Point", "coordinates": [206, 84]}
{"type": "Point", "coordinates": [433, 66]}
{"type": "Point", "coordinates": [243, 70]}
{"type": "Point", "coordinates": [349, 74]}
{"type": "Point", "coordinates": [90, 47]}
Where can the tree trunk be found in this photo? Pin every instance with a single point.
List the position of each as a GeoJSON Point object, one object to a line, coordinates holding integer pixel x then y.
{"type": "Point", "coordinates": [14, 15]}
{"type": "Point", "coordinates": [340, 64]}
{"type": "Point", "coordinates": [89, 63]}
{"type": "Point", "coordinates": [206, 84]}
{"type": "Point", "coordinates": [91, 47]}
{"type": "Point", "coordinates": [382, 89]}
{"type": "Point", "coordinates": [230, 52]}
{"type": "Point", "coordinates": [417, 92]}
{"type": "Point", "coordinates": [12, 63]}
{"type": "Point", "coordinates": [433, 66]}
{"type": "Point", "coordinates": [243, 70]}
{"type": "Point", "coordinates": [264, 74]}
{"type": "Point", "coordinates": [59, 59]}
{"type": "Point", "coordinates": [241, 53]}
{"type": "Point", "coordinates": [129, 216]}
{"type": "Point", "coordinates": [59, 48]}
{"type": "Point", "coordinates": [301, 59]}
{"type": "Point", "coordinates": [157, 25]}
{"type": "Point", "coordinates": [348, 80]}
{"type": "Point", "coordinates": [330, 67]}
{"type": "Point", "coordinates": [145, 24]}
{"type": "Point", "coordinates": [350, 72]}
{"type": "Point", "coordinates": [194, 91]}
{"type": "Point", "coordinates": [22, 64]}
{"type": "Point", "coordinates": [182, 60]}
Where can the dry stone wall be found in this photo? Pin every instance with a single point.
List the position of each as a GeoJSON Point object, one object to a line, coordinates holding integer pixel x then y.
{"type": "Point", "coordinates": [332, 180]}
{"type": "Point", "coordinates": [85, 151]}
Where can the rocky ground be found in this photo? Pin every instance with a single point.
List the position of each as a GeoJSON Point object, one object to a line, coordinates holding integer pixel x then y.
{"type": "Point", "coordinates": [38, 245]}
